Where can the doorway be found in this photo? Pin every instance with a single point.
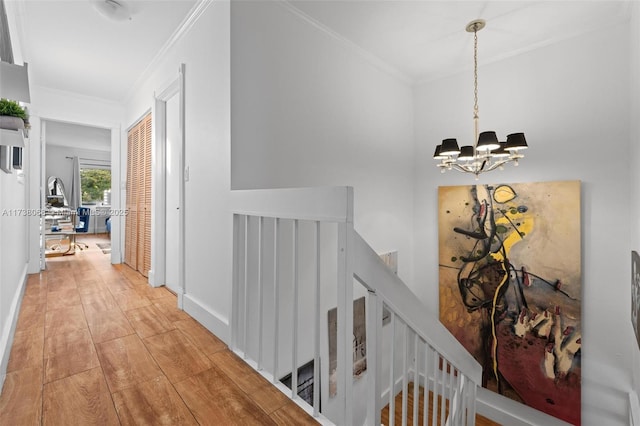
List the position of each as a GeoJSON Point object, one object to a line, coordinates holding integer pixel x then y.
{"type": "Point", "coordinates": [76, 170]}
{"type": "Point", "coordinates": [169, 176]}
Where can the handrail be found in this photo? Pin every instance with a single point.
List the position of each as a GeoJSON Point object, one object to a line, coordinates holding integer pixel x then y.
{"type": "Point", "coordinates": [371, 272]}
{"type": "Point", "coordinates": [324, 204]}
{"type": "Point", "coordinates": [267, 267]}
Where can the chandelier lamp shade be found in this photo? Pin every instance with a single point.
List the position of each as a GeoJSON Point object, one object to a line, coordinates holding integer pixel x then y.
{"type": "Point", "coordinates": [487, 153]}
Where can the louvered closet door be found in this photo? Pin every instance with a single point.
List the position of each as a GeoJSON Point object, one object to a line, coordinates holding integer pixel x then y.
{"type": "Point", "coordinates": [138, 223]}
{"type": "Point", "coordinates": [144, 233]}
{"type": "Point", "coordinates": [131, 222]}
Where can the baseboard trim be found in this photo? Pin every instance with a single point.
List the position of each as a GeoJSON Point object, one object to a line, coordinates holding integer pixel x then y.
{"type": "Point", "coordinates": [634, 409]}
{"type": "Point", "coordinates": [116, 256]}
{"type": "Point", "coordinates": [9, 330]}
{"type": "Point", "coordinates": [214, 322]}
{"type": "Point", "coordinates": [509, 412]}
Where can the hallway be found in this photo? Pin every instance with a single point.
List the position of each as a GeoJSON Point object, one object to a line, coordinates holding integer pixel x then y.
{"type": "Point", "coordinates": [95, 344]}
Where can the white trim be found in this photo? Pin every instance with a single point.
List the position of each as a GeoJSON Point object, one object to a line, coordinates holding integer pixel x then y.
{"type": "Point", "coordinates": [634, 409]}
{"type": "Point", "coordinates": [157, 274]}
{"type": "Point", "coordinates": [189, 21]}
{"type": "Point", "coordinates": [509, 412]}
{"type": "Point", "coordinates": [138, 120]}
{"type": "Point", "coordinates": [325, 204]}
{"type": "Point", "coordinates": [9, 330]}
{"type": "Point", "coordinates": [181, 187]}
{"type": "Point", "coordinates": [213, 321]}
{"type": "Point", "coordinates": [117, 221]}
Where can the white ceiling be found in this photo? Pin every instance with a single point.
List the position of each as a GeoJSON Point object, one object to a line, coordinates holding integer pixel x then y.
{"type": "Point", "coordinates": [70, 46]}
{"type": "Point", "coordinates": [424, 39]}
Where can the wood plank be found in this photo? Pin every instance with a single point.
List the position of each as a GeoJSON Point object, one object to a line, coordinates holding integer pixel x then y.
{"type": "Point", "coordinates": [126, 361]}
{"type": "Point", "coordinates": [212, 395]}
{"type": "Point", "coordinates": [98, 301]}
{"type": "Point", "coordinates": [168, 306]}
{"type": "Point", "coordinates": [148, 321]}
{"type": "Point", "coordinates": [261, 391]}
{"type": "Point", "coordinates": [130, 299]}
{"type": "Point", "coordinates": [31, 316]}
{"type": "Point", "coordinates": [154, 402]}
{"type": "Point", "coordinates": [292, 415]}
{"type": "Point", "coordinates": [67, 354]}
{"type": "Point", "coordinates": [200, 336]}
{"type": "Point", "coordinates": [64, 320]}
{"type": "Point", "coordinates": [21, 399]}
{"type": "Point", "coordinates": [176, 355]}
{"type": "Point", "coordinates": [27, 349]}
{"type": "Point", "coordinates": [81, 399]}
{"type": "Point", "coordinates": [62, 299]}
{"type": "Point", "coordinates": [108, 325]}
{"type": "Point", "coordinates": [480, 420]}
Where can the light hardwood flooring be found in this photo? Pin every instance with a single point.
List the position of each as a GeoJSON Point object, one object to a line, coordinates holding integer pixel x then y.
{"type": "Point", "coordinates": [94, 344]}
{"type": "Point", "coordinates": [397, 418]}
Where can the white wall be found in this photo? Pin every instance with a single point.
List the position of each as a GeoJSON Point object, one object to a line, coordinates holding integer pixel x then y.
{"type": "Point", "coordinates": [572, 100]}
{"type": "Point", "coordinates": [204, 50]}
{"type": "Point", "coordinates": [57, 163]}
{"type": "Point", "coordinates": [309, 111]}
{"type": "Point", "coordinates": [13, 255]}
{"type": "Point", "coordinates": [634, 157]}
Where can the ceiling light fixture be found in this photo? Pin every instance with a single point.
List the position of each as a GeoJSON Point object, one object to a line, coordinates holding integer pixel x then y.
{"type": "Point", "coordinates": [114, 10]}
{"type": "Point", "coordinates": [487, 154]}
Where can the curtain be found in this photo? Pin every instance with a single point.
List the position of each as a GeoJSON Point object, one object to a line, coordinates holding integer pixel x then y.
{"type": "Point", "coordinates": [75, 197]}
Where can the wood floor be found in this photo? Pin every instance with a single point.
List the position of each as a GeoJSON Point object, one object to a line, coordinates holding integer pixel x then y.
{"type": "Point", "coordinates": [480, 420]}
{"type": "Point", "coordinates": [94, 344]}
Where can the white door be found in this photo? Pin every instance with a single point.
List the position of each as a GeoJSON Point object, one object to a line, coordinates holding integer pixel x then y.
{"type": "Point", "coordinates": [173, 176]}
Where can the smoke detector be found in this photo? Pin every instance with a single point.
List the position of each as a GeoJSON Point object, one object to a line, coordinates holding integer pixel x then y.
{"type": "Point", "coordinates": [113, 10]}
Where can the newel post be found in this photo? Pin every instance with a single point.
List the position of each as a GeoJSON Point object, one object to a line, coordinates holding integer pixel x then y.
{"type": "Point", "coordinates": [344, 369]}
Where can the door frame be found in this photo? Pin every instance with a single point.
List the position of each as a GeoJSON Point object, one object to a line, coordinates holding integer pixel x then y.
{"type": "Point", "coordinates": [37, 259]}
{"type": "Point", "coordinates": [157, 274]}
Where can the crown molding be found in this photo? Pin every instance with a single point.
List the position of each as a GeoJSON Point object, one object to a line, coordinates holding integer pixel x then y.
{"type": "Point", "coordinates": [185, 26]}
{"type": "Point", "coordinates": [348, 44]}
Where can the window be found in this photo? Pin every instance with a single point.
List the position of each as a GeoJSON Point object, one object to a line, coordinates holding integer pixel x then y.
{"type": "Point", "coordinates": [93, 183]}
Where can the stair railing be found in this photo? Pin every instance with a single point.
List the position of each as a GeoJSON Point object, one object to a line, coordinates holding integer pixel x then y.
{"type": "Point", "coordinates": [296, 254]}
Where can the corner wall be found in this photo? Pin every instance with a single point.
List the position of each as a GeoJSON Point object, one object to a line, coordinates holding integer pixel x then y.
{"type": "Point", "coordinates": [204, 49]}
{"type": "Point", "coordinates": [574, 111]}
{"type": "Point", "coordinates": [634, 159]}
{"type": "Point", "coordinates": [308, 110]}
{"type": "Point", "coordinates": [13, 255]}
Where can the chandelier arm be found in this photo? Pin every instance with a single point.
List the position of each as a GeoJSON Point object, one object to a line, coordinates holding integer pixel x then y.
{"type": "Point", "coordinates": [499, 163]}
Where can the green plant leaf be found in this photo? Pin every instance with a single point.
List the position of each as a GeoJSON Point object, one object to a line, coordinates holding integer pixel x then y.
{"type": "Point", "coordinates": [12, 108]}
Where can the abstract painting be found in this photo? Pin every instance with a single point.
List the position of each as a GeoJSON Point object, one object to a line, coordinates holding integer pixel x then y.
{"type": "Point", "coordinates": [635, 294]}
{"type": "Point", "coordinates": [359, 343]}
{"type": "Point", "coordinates": [510, 287]}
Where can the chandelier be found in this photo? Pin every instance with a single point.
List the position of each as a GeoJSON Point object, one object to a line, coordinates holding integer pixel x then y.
{"type": "Point", "coordinates": [488, 153]}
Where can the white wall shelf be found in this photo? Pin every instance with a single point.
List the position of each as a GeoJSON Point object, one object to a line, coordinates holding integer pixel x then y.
{"type": "Point", "coordinates": [12, 137]}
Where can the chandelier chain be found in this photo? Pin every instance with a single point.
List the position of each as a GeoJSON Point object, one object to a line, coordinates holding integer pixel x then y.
{"type": "Point", "coordinates": [475, 74]}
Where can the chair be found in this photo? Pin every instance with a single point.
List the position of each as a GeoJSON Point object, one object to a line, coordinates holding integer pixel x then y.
{"type": "Point", "coordinates": [84, 213]}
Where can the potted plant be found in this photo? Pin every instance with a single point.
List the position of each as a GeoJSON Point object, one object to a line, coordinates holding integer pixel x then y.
{"type": "Point", "coordinates": [12, 115]}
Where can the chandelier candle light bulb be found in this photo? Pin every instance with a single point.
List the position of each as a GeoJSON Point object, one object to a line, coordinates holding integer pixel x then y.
{"type": "Point", "coordinates": [488, 153]}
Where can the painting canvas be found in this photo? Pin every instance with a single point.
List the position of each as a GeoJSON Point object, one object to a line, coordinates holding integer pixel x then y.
{"type": "Point", "coordinates": [510, 287]}
{"type": "Point", "coordinates": [359, 343]}
{"type": "Point", "coordinates": [635, 294]}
